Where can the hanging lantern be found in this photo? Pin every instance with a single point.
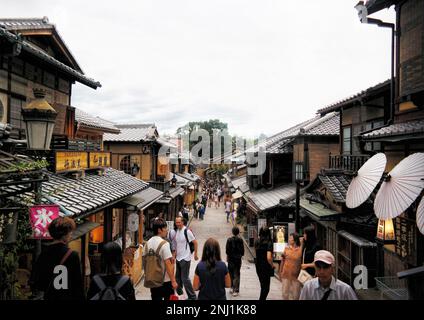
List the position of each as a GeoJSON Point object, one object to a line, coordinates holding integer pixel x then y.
{"type": "Point", "coordinates": [386, 231]}
{"type": "Point", "coordinates": [39, 117]}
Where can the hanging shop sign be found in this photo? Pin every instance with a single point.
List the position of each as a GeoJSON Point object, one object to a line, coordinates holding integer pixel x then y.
{"type": "Point", "coordinates": [41, 216]}
{"type": "Point", "coordinates": [70, 161]}
{"type": "Point", "coordinates": [99, 160]}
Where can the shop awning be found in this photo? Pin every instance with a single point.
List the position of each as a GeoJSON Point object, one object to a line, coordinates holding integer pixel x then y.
{"type": "Point", "coordinates": [83, 229]}
{"type": "Point", "coordinates": [360, 242]}
{"type": "Point", "coordinates": [237, 194]}
{"type": "Point", "coordinates": [317, 211]}
{"type": "Point", "coordinates": [144, 198]}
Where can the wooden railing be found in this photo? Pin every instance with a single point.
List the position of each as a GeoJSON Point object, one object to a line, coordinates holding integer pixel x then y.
{"type": "Point", "coordinates": [63, 143]}
{"type": "Point", "coordinates": [347, 162]}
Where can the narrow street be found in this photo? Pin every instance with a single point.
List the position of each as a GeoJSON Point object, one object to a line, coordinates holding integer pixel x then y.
{"type": "Point", "coordinates": [215, 225]}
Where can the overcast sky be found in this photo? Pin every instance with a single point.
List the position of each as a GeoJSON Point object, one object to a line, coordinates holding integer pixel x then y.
{"type": "Point", "coordinates": [259, 65]}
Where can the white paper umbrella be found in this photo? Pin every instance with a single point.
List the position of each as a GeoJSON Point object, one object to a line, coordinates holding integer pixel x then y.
{"type": "Point", "coordinates": [402, 189]}
{"type": "Point", "coordinates": [420, 216]}
{"type": "Point", "coordinates": [366, 180]}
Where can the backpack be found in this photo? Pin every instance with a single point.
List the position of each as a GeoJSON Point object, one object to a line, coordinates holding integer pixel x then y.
{"type": "Point", "coordinates": [191, 244]}
{"type": "Point", "coordinates": [109, 293]}
{"type": "Point", "coordinates": [154, 270]}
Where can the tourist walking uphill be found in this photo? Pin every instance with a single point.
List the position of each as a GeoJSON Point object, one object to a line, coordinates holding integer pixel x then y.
{"type": "Point", "coordinates": [181, 239]}
{"type": "Point", "coordinates": [58, 253]}
{"type": "Point", "coordinates": [264, 263]}
{"type": "Point", "coordinates": [158, 263]}
{"type": "Point", "coordinates": [235, 251]}
{"type": "Point", "coordinates": [211, 276]}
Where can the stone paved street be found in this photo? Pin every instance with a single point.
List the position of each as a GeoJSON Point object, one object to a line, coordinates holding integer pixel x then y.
{"type": "Point", "coordinates": [215, 225]}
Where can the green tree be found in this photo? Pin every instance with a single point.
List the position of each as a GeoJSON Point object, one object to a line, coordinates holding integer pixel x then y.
{"type": "Point", "coordinates": [212, 126]}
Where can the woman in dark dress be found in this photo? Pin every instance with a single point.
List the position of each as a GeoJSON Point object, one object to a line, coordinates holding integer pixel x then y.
{"type": "Point", "coordinates": [310, 246]}
{"type": "Point", "coordinates": [112, 275]}
{"type": "Point", "coordinates": [211, 276]}
{"type": "Point", "coordinates": [264, 263]}
{"type": "Point", "coordinates": [50, 285]}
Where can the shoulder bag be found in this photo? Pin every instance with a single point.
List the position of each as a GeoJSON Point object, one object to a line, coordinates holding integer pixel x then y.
{"type": "Point", "coordinates": [304, 276]}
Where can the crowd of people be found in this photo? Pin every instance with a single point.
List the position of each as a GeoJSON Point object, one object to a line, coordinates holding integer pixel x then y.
{"type": "Point", "coordinates": [306, 271]}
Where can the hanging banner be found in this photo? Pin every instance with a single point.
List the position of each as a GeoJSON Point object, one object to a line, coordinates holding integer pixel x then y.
{"type": "Point", "coordinates": [41, 216]}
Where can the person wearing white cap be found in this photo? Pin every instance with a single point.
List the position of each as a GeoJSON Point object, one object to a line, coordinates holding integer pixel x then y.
{"type": "Point", "coordinates": [325, 286]}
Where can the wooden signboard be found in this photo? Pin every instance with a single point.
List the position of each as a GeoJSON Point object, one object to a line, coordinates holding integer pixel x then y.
{"type": "Point", "coordinates": [70, 161]}
{"type": "Point", "coordinates": [99, 160]}
{"type": "Point", "coordinates": [406, 239]}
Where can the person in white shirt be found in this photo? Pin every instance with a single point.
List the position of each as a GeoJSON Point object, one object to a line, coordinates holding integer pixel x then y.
{"type": "Point", "coordinates": [160, 231]}
{"type": "Point", "coordinates": [182, 255]}
{"type": "Point", "coordinates": [325, 286]}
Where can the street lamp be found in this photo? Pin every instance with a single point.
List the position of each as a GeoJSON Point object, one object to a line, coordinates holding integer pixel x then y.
{"type": "Point", "coordinates": [363, 17]}
{"type": "Point", "coordinates": [299, 176]}
{"type": "Point", "coordinates": [39, 117]}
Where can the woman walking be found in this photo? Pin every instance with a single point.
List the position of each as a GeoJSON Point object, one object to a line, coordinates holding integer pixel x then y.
{"type": "Point", "coordinates": [264, 263]}
{"type": "Point", "coordinates": [310, 246]}
{"type": "Point", "coordinates": [211, 275]}
{"type": "Point", "coordinates": [290, 268]}
{"type": "Point", "coordinates": [111, 278]}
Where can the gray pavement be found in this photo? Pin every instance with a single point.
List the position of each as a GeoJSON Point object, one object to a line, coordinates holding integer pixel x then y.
{"type": "Point", "coordinates": [215, 225]}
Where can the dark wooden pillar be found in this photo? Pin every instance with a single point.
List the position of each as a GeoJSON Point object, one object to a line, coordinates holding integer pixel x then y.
{"type": "Point", "coordinates": [107, 224]}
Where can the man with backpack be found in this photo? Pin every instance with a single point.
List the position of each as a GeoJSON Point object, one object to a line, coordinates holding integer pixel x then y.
{"type": "Point", "coordinates": [235, 251]}
{"type": "Point", "coordinates": [157, 262]}
{"type": "Point", "coordinates": [184, 245]}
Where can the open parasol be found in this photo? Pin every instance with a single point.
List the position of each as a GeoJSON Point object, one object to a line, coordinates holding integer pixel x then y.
{"type": "Point", "coordinates": [420, 216]}
{"type": "Point", "coordinates": [365, 181]}
{"type": "Point", "coordinates": [401, 187]}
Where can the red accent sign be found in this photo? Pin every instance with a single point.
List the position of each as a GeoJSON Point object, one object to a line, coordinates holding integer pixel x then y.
{"type": "Point", "coordinates": [41, 216]}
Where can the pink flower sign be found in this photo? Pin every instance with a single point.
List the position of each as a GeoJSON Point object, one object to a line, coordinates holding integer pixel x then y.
{"type": "Point", "coordinates": [41, 216]}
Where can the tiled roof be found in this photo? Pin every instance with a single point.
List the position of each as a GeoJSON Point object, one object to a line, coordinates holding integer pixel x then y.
{"type": "Point", "coordinates": [40, 54]}
{"type": "Point", "coordinates": [87, 120]}
{"type": "Point", "coordinates": [181, 181]}
{"type": "Point", "coordinates": [144, 198]}
{"type": "Point", "coordinates": [326, 125]}
{"type": "Point", "coordinates": [318, 210]}
{"type": "Point", "coordinates": [397, 129]}
{"type": "Point", "coordinates": [26, 23]}
{"type": "Point", "coordinates": [20, 25]}
{"type": "Point", "coordinates": [189, 176]}
{"type": "Point", "coordinates": [132, 133]}
{"type": "Point", "coordinates": [79, 197]}
{"type": "Point", "coordinates": [377, 5]}
{"type": "Point", "coordinates": [267, 199]}
{"type": "Point", "coordinates": [237, 182]}
{"type": "Point", "coordinates": [356, 97]}
{"type": "Point", "coordinates": [337, 185]}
